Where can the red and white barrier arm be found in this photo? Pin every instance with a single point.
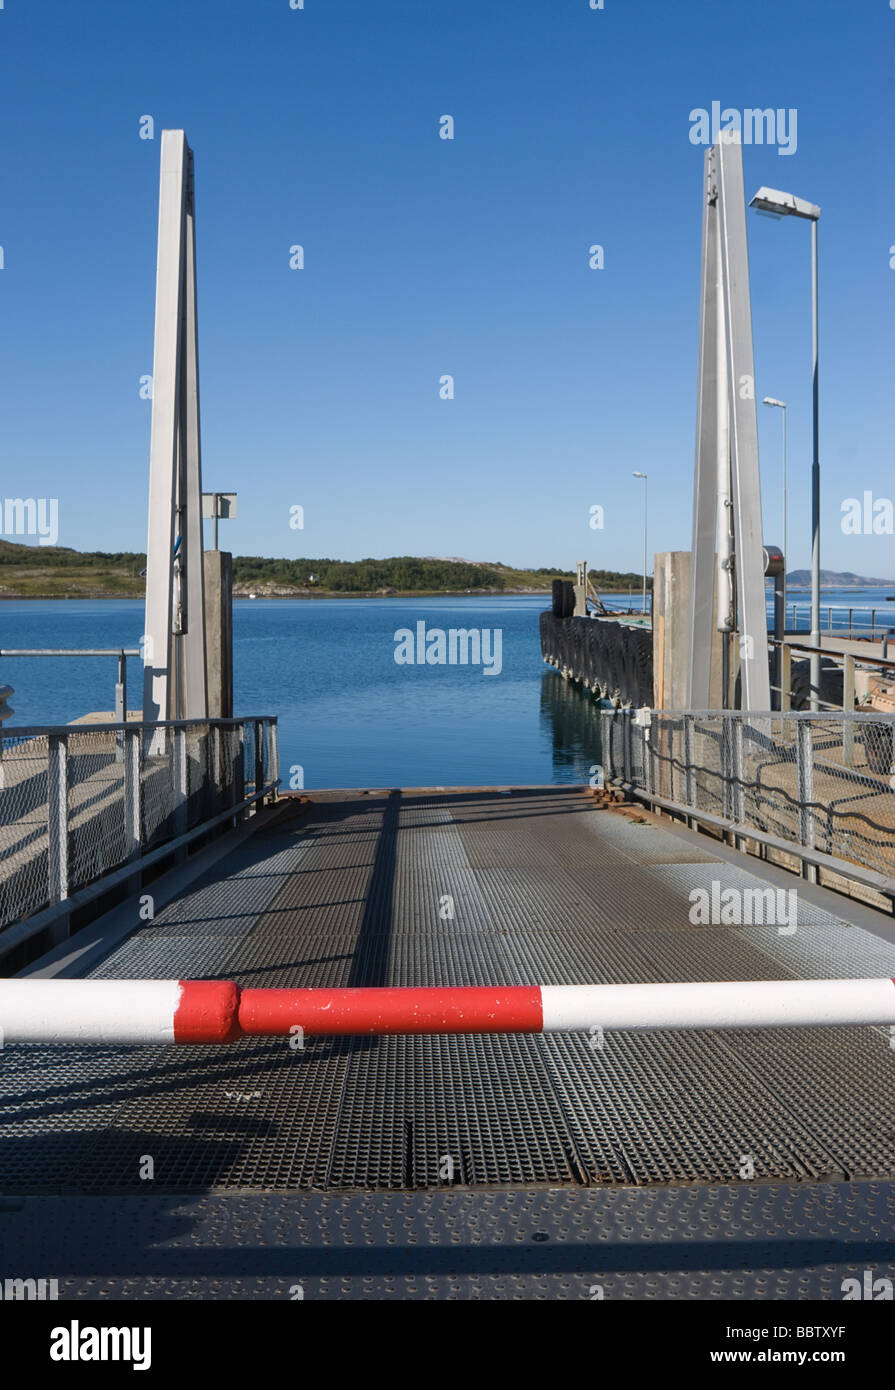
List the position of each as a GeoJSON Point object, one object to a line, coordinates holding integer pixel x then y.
{"type": "Point", "coordinates": [217, 1011]}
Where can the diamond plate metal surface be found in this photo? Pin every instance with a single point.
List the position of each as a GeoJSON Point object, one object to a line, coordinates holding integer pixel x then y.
{"type": "Point", "coordinates": [746, 1242]}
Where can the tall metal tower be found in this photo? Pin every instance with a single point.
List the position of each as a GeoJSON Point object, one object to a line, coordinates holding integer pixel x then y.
{"type": "Point", "coordinates": [174, 674]}
{"type": "Point", "coordinates": [727, 533]}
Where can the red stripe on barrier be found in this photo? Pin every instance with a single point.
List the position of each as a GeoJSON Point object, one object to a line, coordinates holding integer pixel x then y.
{"type": "Point", "coordinates": [401, 1010]}
{"type": "Point", "coordinates": [208, 1012]}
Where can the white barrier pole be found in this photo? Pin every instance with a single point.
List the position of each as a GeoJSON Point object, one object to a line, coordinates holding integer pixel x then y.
{"type": "Point", "coordinates": [216, 1011]}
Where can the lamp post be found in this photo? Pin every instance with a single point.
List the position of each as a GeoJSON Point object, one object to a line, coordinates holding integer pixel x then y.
{"type": "Point", "coordinates": [786, 205]}
{"type": "Point", "coordinates": [638, 474]}
{"type": "Point", "coordinates": [770, 400]}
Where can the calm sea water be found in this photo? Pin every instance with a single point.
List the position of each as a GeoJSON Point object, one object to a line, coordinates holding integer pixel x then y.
{"type": "Point", "coordinates": [348, 714]}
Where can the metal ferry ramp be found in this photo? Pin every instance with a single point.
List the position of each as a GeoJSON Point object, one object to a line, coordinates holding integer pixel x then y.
{"type": "Point", "coordinates": [752, 1163]}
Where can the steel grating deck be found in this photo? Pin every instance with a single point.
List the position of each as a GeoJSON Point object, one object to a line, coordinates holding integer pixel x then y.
{"type": "Point", "coordinates": [545, 887]}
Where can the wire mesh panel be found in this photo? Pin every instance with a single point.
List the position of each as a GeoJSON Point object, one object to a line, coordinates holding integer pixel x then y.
{"type": "Point", "coordinates": [822, 780]}
{"type": "Point", "coordinates": [95, 821]}
{"type": "Point", "coordinates": [156, 783]}
{"type": "Point", "coordinates": [78, 802]}
{"type": "Point", "coordinates": [707, 781]}
{"type": "Point", "coordinates": [248, 751]}
{"type": "Point", "coordinates": [24, 770]}
{"type": "Point", "coordinates": [624, 746]}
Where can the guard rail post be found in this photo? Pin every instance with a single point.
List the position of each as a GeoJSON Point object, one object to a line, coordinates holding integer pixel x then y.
{"type": "Point", "coordinates": [133, 799]}
{"type": "Point", "coordinates": [785, 678]}
{"type": "Point", "coordinates": [805, 784]}
{"type": "Point", "coordinates": [120, 704]}
{"type": "Point", "coordinates": [628, 743]}
{"type": "Point", "coordinates": [848, 706]}
{"type": "Point", "coordinates": [738, 770]}
{"type": "Point", "coordinates": [57, 827]}
{"type": "Point", "coordinates": [6, 712]}
{"type": "Point", "coordinates": [273, 756]}
{"type": "Point", "coordinates": [239, 767]}
{"type": "Point", "coordinates": [688, 760]}
{"type": "Point", "coordinates": [259, 762]}
{"type": "Point", "coordinates": [180, 770]}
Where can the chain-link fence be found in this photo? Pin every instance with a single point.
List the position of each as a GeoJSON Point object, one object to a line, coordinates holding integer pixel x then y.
{"type": "Point", "coordinates": [77, 802]}
{"type": "Point", "coordinates": [825, 781]}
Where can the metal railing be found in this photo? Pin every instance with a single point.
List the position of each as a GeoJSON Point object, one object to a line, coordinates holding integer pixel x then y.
{"type": "Point", "coordinates": [81, 805]}
{"type": "Point", "coordinates": [842, 620]}
{"type": "Point", "coordinates": [839, 671]}
{"type": "Point", "coordinates": [820, 785]}
{"type": "Point", "coordinates": [120, 653]}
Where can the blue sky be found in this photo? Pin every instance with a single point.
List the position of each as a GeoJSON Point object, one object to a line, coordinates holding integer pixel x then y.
{"type": "Point", "coordinates": [425, 256]}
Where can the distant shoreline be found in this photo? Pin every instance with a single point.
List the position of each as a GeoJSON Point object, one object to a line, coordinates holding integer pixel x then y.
{"type": "Point", "coordinates": [311, 597]}
{"type": "Point", "coordinates": [317, 595]}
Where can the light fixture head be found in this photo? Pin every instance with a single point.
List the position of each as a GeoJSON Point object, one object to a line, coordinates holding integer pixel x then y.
{"type": "Point", "coordinates": [784, 204]}
{"type": "Point", "coordinates": [771, 400]}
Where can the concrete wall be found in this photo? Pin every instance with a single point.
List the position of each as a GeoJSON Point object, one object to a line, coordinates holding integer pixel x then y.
{"type": "Point", "coordinates": [219, 632]}
{"type": "Point", "coordinates": [671, 633]}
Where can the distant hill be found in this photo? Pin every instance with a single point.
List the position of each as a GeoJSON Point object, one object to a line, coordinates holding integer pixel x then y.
{"type": "Point", "coordinates": [39, 571]}
{"type": "Point", "coordinates": [831, 579]}
{"type": "Point", "coordinates": [33, 571]}
{"type": "Point", "coordinates": [404, 574]}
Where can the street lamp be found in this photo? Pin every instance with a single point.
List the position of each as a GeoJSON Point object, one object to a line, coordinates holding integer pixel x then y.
{"type": "Point", "coordinates": [638, 474]}
{"type": "Point", "coordinates": [771, 400]}
{"type": "Point", "coordinates": [786, 205]}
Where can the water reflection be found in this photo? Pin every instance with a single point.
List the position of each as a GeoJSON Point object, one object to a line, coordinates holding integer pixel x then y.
{"type": "Point", "coordinates": [570, 718]}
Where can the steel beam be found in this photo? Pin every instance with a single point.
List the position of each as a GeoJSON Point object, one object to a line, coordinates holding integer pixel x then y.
{"type": "Point", "coordinates": [193, 640]}
{"type": "Point", "coordinates": [699, 669]}
{"type": "Point", "coordinates": [745, 483]}
{"type": "Point", "coordinates": [726, 477]}
{"type": "Point", "coordinates": [174, 684]}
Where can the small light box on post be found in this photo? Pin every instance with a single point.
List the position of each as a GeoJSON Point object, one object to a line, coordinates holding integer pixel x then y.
{"type": "Point", "coordinates": [221, 506]}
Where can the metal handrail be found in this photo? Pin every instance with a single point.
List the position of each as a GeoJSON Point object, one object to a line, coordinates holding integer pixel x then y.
{"type": "Point", "coordinates": [747, 715]}
{"type": "Point", "coordinates": [837, 652]}
{"type": "Point", "coordinates": [117, 727]}
{"type": "Point", "coordinates": [654, 755]}
{"type": "Point", "coordinates": [20, 932]}
{"type": "Point", "coordinates": [112, 821]}
{"type": "Point", "coordinates": [122, 653]}
{"type": "Point", "coordinates": [69, 651]}
{"type": "Point", "coordinates": [851, 609]}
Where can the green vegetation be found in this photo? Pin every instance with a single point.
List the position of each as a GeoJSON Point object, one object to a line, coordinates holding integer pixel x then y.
{"type": "Point", "coordinates": [38, 571]}
{"type": "Point", "coordinates": [403, 572]}
{"type": "Point", "coordinates": [409, 574]}
{"type": "Point", "coordinates": [31, 571]}
{"type": "Point", "coordinates": [608, 581]}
